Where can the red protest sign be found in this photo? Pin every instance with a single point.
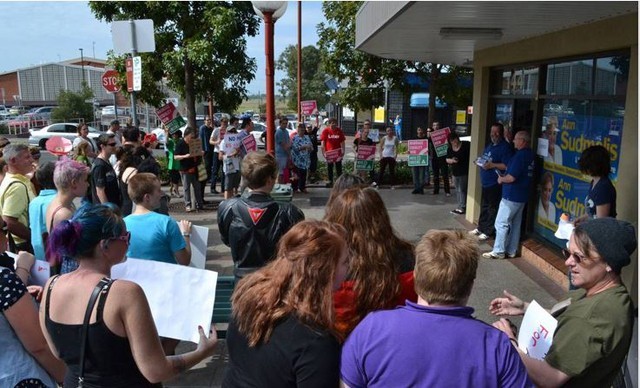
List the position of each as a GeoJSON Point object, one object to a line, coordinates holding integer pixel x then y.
{"type": "Point", "coordinates": [308, 107]}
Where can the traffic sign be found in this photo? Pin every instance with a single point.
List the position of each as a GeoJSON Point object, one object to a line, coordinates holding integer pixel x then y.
{"type": "Point", "coordinates": [137, 74]}
{"type": "Point", "coordinates": [110, 81]}
{"type": "Point", "coordinates": [129, 66]}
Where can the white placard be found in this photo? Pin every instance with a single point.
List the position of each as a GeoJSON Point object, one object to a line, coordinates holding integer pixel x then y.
{"type": "Point", "coordinates": [565, 228]}
{"type": "Point", "coordinates": [199, 239]}
{"type": "Point", "coordinates": [536, 332]}
{"type": "Point", "coordinates": [543, 147]}
{"type": "Point", "coordinates": [40, 273]}
{"type": "Point", "coordinates": [137, 74]}
{"type": "Point", "coordinates": [180, 297]}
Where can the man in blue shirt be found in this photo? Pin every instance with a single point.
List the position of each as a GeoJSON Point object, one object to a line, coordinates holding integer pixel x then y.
{"type": "Point", "coordinates": [516, 184]}
{"type": "Point", "coordinates": [283, 148]}
{"type": "Point", "coordinates": [494, 159]}
{"type": "Point", "coordinates": [38, 208]}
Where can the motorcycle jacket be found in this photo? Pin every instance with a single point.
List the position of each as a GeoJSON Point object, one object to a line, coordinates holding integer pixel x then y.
{"type": "Point", "coordinates": [251, 225]}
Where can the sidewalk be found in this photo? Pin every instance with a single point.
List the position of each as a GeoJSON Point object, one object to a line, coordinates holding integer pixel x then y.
{"type": "Point", "coordinates": [411, 216]}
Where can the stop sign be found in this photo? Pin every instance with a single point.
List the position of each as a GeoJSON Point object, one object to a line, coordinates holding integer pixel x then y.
{"type": "Point", "coordinates": [110, 81]}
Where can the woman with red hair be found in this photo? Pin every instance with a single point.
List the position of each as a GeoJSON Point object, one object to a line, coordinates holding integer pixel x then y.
{"type": "Point", "coordinates": [281, 333]}
{"type": "Point", "coordinates": [381, 268]}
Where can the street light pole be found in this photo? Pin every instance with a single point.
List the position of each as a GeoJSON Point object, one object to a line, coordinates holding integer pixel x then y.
{"type": "Point", "coordinates": [82, 64]}
{"type": "Point", "coordinates": [270, 11]}
{"type": "Point", "coordinates": [299, 61]}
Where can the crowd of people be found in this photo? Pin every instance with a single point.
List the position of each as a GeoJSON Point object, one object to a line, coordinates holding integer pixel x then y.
{"type": "Point", "coordinates": [342, 300]}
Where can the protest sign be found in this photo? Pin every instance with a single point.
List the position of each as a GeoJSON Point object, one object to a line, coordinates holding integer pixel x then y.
{"type": "Point", "coordinates": [169, 116]}
{"type": "Point", "coordinates": [195, 147]}
{"type": "Point", "coordinates": [418, 152]}
{"type": "Point", "coordinates": [180, 297]}
{"type": "Point", "coordinates": [365, 157]}
{"type": "Point", "coordinates": [308, 107]}
{"type": "Point", "coordinates": [440, 141]}
{"type": "Point", "coordinates": [249, 143]}
{"type": "Point", "coordinates": [536, 331]}
{"type": "Point", "coordinates": [199, 239]}
{"type": "Point", "coordinates": [333, 155]}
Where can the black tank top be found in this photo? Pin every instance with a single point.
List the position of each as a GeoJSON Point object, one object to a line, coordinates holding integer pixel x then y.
{"type": "Point", "coordinates": [108, 358]}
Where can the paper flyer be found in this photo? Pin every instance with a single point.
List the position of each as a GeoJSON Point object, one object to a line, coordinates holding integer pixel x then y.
{"type": "Point", "coordinates": [536, 331]}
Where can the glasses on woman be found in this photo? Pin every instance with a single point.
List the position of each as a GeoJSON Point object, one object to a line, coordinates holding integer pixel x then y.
{"type": "Point", "coordinates": [577, 257]}
{"type": "Point", "coordinates": [125, 237]}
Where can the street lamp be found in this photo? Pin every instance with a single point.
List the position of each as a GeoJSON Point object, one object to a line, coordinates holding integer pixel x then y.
{"type": "Point", "coordinates": [82, 64]}
{"type": "Point", "coordinates": [270, 12]}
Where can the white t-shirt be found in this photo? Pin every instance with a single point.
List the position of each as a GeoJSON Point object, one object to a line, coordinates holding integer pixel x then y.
{"type": "Point", "coordinates": [389, 147]}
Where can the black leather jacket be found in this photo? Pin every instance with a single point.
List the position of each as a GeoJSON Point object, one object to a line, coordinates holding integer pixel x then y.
{"type": "Point", "coordinates": [251, 225]}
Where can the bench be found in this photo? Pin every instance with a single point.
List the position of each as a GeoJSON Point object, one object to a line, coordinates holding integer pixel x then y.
{"type": "Point", "coordinates": [222, 304]}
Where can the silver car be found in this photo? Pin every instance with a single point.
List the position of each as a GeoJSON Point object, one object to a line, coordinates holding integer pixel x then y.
{"type": "Point", "coordinates": [39, 137]}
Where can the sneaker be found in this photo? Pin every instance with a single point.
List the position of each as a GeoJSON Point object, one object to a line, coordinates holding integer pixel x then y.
{"type": "Point", "coordinates": [415, 192]}
{"type": "Point", "coordinates": [492, 255]}
{"type": "Point", "coordinates": [512, 255]}
{"type": "Point", "coordinates": [456, 211]}
{"type": "Point", "coordinates": [393, 187]}
{"type": "Point", "coordinates": [374, 185]}
{"type": "Point", "coordinates": [475, 232]}
{"type": "Point", "coordinates": [483, 237]}
{"type": "Point", "coordinates": [214, 191]}
{"type": "Point", "coordinates": [448, 194]}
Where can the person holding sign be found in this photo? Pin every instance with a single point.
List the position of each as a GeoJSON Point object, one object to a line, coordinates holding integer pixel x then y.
{"type": "Point", "coordinates": [438, 162]}
{"type": "Point", "coordinates": [300, 148]}
{"type": "Point", "coordinates": [124, 346]}
{"type": "Point", "coordinates": [595, 324]}
{"type": "Point", "coordinates": [364, 140]}
{"type": "Point", "coordinates": [388, 152]}
{"type": "Point", "coordinates": [231, 151]}
{"type": "Point", "coordinates": [333, 148]}
{"type": "Point", "coordinates": [189, 152]}
{"type": "Point", "coordinates": [435, 342]}
{"type": "Point", "coordinates": [281, 333]}
{"type": "Point", "coordinates": [419, 173]}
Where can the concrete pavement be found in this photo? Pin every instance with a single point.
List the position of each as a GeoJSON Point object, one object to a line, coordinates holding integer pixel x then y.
{"type": "Point", "coordinates": [411, 216]}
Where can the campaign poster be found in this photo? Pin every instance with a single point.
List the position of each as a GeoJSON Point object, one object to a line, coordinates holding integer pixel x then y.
{"type": "Point", "coordinates": [232, 142]}
{"type": "Point", "coordinates": [562, 186]}
{"type": "Point", "coordinates": [418, 152]}
{"type": "Point", "coordinates": [440, 141]}
{"type": "Point", "coordinates": [365, 157]}
{"type": "Point", "coordinates": [333, 155]}
{"type": "Point", "coordinates": [249, 143]}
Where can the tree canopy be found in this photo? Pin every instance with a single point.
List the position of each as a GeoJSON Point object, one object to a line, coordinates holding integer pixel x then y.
{"type": "Point", "coordinates": [313, 77]}
{"type": "Point", "coordinates": [365, 74]}
{"type": "Point", "coordinates": [200, 49]}
{"type": "Point", "coordinates": [73, 106]}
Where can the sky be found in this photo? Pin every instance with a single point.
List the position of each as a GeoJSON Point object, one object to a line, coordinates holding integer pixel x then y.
{"type": "Point", "coordinates": [43, 32]}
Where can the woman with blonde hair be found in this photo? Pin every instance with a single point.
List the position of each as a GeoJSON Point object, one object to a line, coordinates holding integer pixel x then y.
{"type": "Point", "coordinates": [281, 334]}
{"type": "Point", "coordinates": [381, 267]}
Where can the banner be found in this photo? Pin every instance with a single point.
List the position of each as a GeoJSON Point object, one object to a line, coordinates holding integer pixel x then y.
{"type": "Point", "coordinates": [169, 116]}
{"type": "Point", "coordinates": [563, 187]}
{"type": "Point", "coordinates": [440, 141]}
{"type": "Point", "coordinates": [365, 157]}
{"type": "Point", "coordinates": [309, 107]}
{"type": "Point", "coordinates": [418, 152]}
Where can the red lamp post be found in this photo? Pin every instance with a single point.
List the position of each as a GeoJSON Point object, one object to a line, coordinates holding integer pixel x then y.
{"type": "Point", "coordinates": [270, 12]}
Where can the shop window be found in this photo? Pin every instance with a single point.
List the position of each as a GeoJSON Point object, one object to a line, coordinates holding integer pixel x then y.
{"type": "Point", "coordinates": [515, 82]}
{"type": "Point", "coordinates": [611, 76]}
{"type": "Point", "coordinates": [569, 78]}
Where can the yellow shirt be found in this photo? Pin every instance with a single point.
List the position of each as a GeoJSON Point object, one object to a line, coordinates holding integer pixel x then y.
{"type": "Point", "coordinates": [15, 198]}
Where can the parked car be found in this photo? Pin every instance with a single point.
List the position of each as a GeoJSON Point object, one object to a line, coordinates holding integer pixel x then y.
{"type": "Point", "coordinates": [111, 110]}
{"type": "Point", "coordinates": [17, 110]}
{"type": "Point", "coordinates": [39, 137]}
{"type": "Point", "coordinates": [44, 112]}
{"type": "Point", "coordinates": [258, 130]}
{"type": "Point", "coordinates": [199, 123]}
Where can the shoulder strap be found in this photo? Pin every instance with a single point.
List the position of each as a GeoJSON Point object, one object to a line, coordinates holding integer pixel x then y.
{"type": "Point", "coordinates": [53, 216]}
{"type": "Point", "coordinates": [85, 325]}
{"type": "Point", "coordinates": [48, 296]}
{"type": "Point", "coordinates": [103, 298]}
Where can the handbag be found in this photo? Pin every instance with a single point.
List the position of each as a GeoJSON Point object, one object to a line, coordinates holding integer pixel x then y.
{"type": "Point", "coordinates": [202, 171]}
{"type": "Point", "coordinates": [104, 282]}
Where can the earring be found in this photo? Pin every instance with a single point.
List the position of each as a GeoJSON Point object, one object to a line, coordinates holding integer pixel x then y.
{"type": "Point", "coordinates": [608, 268]}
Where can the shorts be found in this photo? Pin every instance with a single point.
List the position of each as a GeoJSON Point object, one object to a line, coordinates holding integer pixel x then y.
{"type": "Point", "coordinates": [174, 177]}
{"type": "Point", "coordinates": [282, 162]}
{"type": "Point", "coordinates": [232, 181]}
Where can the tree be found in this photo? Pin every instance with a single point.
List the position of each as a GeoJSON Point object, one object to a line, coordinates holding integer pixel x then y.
{"type": "Point", "coordinates": [313, 77]}
{"type": "Point", "coordinates": [200, 49]}
{"type": "Point", "coordinates": [73, 106]}
{"type": "Point", "coordinates": [365, 74]}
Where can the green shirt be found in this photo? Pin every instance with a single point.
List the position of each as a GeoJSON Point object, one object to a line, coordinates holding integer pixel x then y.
{"type": "Point", "coordinates": [172, 164]}
{"type": "Point", "coordinates": [593, 337]}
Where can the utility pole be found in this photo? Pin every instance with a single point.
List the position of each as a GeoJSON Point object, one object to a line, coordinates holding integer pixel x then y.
{"type": "Point", "coordinates": [82, 64]}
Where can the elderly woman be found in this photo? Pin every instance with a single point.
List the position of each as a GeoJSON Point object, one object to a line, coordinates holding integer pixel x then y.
{"type": "Point", "coordinates": [381, 266]}
{"type": "Point", "coordinates": [594, 332]}
{"type": "Point", "coordinates": [72, 181]}
{"type": "Point", "coordinates": [281, 334]}
{"type": "Point", "coordinates": [124, 350]}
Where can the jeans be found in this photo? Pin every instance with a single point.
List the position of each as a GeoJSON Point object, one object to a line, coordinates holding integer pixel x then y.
{"type": "Point", "coordinates": [507, 227]}
{"type": "Point", "coordinates": [189, 180]}
{"type": "Point", "coordinates": [338, 166]}
{"type": "Point", "coordinates": [391, 162]}
{"type": "Point", "coordinates": [418, 177]}
{"type": "Point", "coordinates": [399, 133]}
{"type": "Point", "coordinates": [216, 166]}
{"type": "Point", "coordinates": [427, 173]}
{"type": "Point", "coordinates": [461, 190]}
{"type": "Point", "coordinates": [489, 208]}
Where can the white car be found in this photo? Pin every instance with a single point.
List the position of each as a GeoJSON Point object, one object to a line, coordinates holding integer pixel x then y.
{"type": "Point", "coordinates": [259, 128]}
{"type": "Point", "coordinates": [39, 137]}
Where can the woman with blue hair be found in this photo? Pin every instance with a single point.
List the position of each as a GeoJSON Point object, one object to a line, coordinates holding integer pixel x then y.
{"type": "Point", "coordinates": [123, 347]}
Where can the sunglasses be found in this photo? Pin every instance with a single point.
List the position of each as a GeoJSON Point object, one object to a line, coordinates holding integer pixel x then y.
{"type": "Point", "coordinates": [578, 258]}
{"type": "Point", "coordinates": [125, 237]}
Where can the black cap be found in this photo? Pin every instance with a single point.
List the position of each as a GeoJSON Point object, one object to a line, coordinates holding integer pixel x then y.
{"type": "Point", "coordinates": [115, 122]}
{"type": "Point", "coordinates": [614, 239]}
